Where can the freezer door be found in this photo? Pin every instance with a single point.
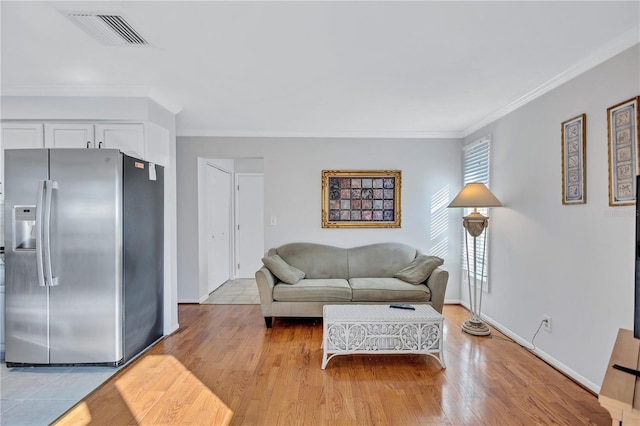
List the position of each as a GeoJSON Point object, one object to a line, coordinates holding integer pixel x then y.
{"type": "Point", "coordinates": [143, 197]}
{"type": "Point", "coordinates": [86, 222]}
{"type": "Point", "coordinates": [26, 302]}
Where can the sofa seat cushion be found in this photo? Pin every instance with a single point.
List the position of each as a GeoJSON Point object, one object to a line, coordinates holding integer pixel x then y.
{"type": "Point", "coordinates": [314, 290]}
{"type": "Point", "coordinates": [387, 290]}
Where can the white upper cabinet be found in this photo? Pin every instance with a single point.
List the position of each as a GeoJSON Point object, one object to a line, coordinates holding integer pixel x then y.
{"type": "Point", "coordinates": [128, 138]}
{"type": "Point", "coordinates": [156, 148]}
{"type": "Point", "coordinates": [21, 135]}
{"type": "Point", "coordinates": [66, 135]}
{"type": "Point", "coordinates": [16, 136]}
{"type": "Point", "coordinates": [146, 141]}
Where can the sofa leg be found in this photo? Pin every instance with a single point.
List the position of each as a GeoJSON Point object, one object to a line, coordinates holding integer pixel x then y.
{"type": "Point", "coordinates": [268, 321]}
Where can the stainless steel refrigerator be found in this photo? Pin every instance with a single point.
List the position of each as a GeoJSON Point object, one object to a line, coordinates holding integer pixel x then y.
{"type": "Point", "coordinates": [84, 256]}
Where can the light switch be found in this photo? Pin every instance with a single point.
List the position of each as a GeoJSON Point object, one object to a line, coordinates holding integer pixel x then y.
{"type": "Point", "coordinates": [274, 221]}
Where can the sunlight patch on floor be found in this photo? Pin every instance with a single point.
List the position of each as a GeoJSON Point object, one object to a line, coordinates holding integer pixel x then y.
{"type": "Point", "coordinates": [78, 415]}
{"type": "Point", "coordinates": [158, 389]}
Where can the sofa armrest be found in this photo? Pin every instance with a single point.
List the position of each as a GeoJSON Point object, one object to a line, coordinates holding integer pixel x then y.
{"type": "Point", "coordinates": [437, 283]}
{"type": "Point", "coordinates": [266, 281]}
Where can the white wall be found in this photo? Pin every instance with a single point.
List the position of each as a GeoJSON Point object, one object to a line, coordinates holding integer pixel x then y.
{"type": "Point", "coordinates": [249, 165]}
{"type": "Point", "coordinates": [292, 179]}
{"type": "Point", "coordinates": [79, 108]}
{"type": "Point", "coordinates": [576, 262]}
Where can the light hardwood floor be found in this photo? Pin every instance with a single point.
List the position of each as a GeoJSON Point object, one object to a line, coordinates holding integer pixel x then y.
{"type": "Point", "coordinates": [224, 367]}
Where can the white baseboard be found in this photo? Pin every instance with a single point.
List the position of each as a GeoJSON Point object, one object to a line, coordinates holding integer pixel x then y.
{"type": "Point", "coordinates": [545, 356]}
{"type": "Point", "coordinates": [191, 300]}
{"type": "Point", "coordinates": [172, 330]}
{"type": "Point", "coordinates": [540, 354]}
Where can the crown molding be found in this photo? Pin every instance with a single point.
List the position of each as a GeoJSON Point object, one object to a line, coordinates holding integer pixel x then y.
{"type": "Point", "coordinates": [618, 45]}
{"type": "Point", "coordinates": [323, 134]}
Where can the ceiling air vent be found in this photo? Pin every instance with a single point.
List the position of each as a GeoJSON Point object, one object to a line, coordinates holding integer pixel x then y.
{"type": "Point", "coordinates": [112, 30]}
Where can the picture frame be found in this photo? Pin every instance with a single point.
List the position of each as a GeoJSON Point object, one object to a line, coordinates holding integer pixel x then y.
{"type": "Point", "coordinates": [361, 198]}
{"type": "Point", "coordinates": [622, 132]}
{"type": "Point", "coordinates": [574, 174]}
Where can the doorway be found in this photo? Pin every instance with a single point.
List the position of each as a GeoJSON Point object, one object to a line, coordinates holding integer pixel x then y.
{"type": "Point", "coordinates": [249, 202]}
{"type": "Point", "coordinates": [219, 225]}
{"type": "Point", "coordinates": [220, 246]}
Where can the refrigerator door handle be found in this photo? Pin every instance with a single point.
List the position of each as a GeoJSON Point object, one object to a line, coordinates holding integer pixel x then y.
{"type": "Point", "coordinates": [49, 278]}
{"type": "Point", "coordinates": [39, 247]}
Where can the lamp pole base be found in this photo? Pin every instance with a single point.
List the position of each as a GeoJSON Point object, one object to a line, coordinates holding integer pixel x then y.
{"type": "Point", "coordinates": [475, 327]}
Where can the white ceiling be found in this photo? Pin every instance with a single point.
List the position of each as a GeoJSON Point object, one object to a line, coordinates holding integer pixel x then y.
{"type": "Point", "coordinates": [364, 68]}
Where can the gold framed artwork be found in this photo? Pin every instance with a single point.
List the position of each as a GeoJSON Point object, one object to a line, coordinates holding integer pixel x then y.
{"type": "Point", "coordinates": [622, 129]}
{"type": "Point", "coordinates": [361, 198]}
{"type": "Point", "coordinates": [574, 182]}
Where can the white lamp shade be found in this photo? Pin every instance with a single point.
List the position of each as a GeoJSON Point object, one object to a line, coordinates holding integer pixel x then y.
{"type": "Point", "coordinates": [475, 195]}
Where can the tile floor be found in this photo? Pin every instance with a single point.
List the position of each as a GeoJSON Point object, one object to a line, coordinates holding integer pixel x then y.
{"type": "Point", "coordinates": [243, 291]}
{"type": "Point", "coordinates": [38, 395]}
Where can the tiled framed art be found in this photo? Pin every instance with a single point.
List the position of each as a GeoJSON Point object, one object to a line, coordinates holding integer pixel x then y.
{"type": "Point", "coordinates": [361, 198]}
{"type": "Point", "coordinates": [574, 174]}
{"type": "Point", "coordinates": [623, 126]}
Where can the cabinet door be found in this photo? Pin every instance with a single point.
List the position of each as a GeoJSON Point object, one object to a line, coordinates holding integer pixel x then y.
{"type": "Point", "coordinates": [21, 135]}
{"type": "Point", "coordinates": [15, 136]}
{"type": "Point", "coordinates": [128, 138]}
{"type": "Point", "coordinates": [156, 148]}
{"type": "Point", "coordinates": [60, 135]}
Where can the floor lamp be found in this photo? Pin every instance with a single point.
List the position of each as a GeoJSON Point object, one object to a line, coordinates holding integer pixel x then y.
{"type": "Point", "coordinates": [475, 195]}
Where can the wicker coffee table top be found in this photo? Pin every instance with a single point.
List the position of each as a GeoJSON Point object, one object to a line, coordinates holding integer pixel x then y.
{"type": "Point", "coordinates": [378, 313]}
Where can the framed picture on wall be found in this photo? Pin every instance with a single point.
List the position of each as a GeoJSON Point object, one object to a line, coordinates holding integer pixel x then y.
{"type": "Point", "coordinates": [574, 175]}
{"type": "Point", "coordinates": [361, 198]}
{"type": "Point", "coordinates": [622, 126]}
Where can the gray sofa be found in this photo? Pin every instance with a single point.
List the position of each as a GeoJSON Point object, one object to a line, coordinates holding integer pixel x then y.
{"type": "Point", "coordinates": [314, 275]}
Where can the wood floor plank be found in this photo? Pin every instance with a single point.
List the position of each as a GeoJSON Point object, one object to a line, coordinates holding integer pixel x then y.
{"type": "Point", "coordinates": [223, 367]}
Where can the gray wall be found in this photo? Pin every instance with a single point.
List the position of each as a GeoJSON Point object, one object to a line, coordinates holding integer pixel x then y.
{"type": "Point", "coordinates": [292, 179]}
{"type": "Point", "coordinates": [572, 262]}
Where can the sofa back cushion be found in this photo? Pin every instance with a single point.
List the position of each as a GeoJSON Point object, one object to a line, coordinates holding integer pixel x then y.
{"type": "Point", "coordinates": [317, 261]}
{"type": "Point", "coordinates": [286, 273]}
{"type": "Point", "coordinates": [381, 260]}
{"type": "Point", "coordinates": [419, 269]}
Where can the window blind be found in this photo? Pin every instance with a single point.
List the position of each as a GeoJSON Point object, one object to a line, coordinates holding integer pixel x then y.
{"type": "Point", "coordinates": [476, 169]}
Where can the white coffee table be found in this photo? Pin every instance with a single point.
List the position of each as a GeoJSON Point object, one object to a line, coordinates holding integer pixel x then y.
{"type": "Point", "coordinates": [379, 329]}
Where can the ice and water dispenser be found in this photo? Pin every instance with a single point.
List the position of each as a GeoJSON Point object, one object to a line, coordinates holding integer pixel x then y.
{"type": "Point", "coordinates": [24, 228]}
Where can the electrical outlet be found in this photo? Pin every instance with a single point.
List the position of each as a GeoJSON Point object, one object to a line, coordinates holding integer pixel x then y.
{"type": "Point", "coordinates": [546, 323]}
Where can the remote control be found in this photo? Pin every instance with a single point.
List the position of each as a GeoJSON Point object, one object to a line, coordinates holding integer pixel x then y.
{"type": "Point", "coordinates": [402, 306]}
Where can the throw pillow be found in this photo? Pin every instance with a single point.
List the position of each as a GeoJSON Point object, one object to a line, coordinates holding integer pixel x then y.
{"type": "Point", "coordinates": [419, 269]}
{"type": "Point", "coordinates": [281, 269]}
